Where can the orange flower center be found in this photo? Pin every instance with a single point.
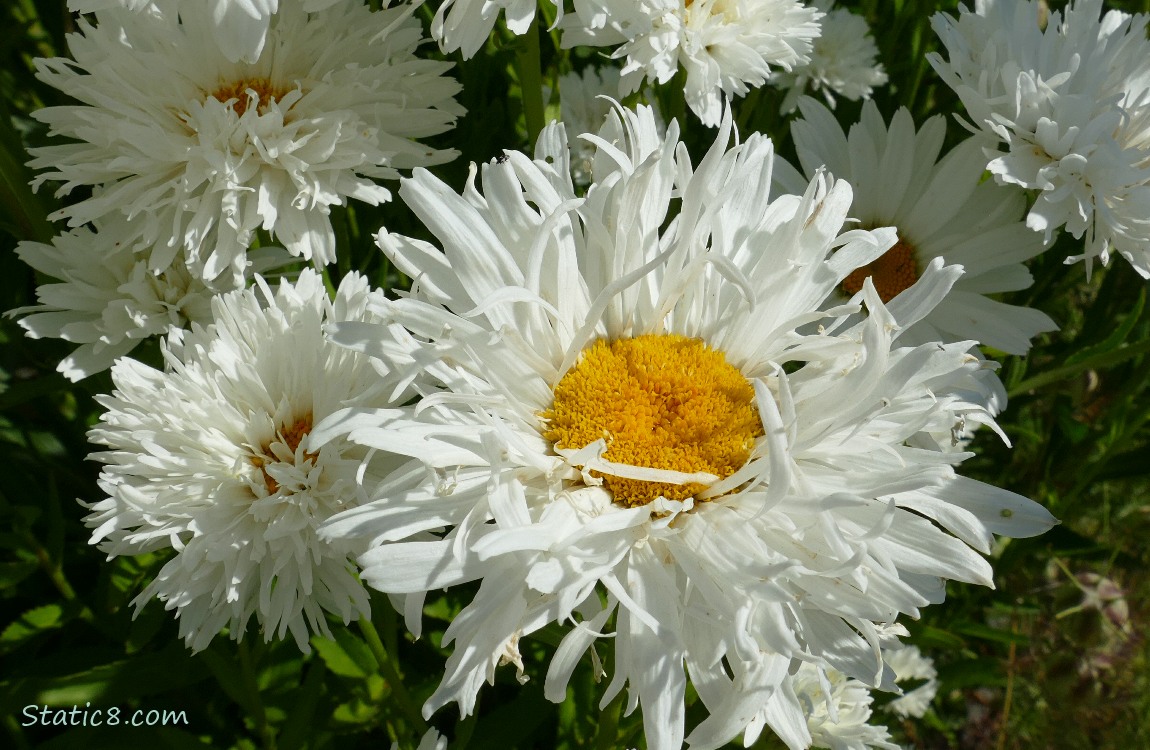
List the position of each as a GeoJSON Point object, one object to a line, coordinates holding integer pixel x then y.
{"type": "Point", "coordinates": [241, 91]}
{"type": "Point", "coordinates": [282, 448]}
{"type": "Point", "coordinates": [894, 271]}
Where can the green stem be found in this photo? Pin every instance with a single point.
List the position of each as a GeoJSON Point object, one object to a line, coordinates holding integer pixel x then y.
{"type": "Point", "coordinates": [676, 98]}
{"type": "Point", "coordinates": [607, 733]}
{"type": "Point", "coordinates": [1106, 359]}
{"type": "Point", "coordinates": [394, 680]}
{"type": "Point", "coordinates": [748, 107]}
{"type": "Point", "coordinates": [529, 64]}
{"type": "Point", "coordinates": [26, 214]}
{"type": "Point", "coordinates": [252, 688]}
{"type": "Point", "coordinates": [55, 573]}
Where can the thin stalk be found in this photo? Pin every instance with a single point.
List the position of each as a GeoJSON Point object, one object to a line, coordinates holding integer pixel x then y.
{"type": "Point", "coordinates": [608, 730]}
{"type": "Point", "coordinates": [1106, 359]}
{"type": "Point", "coordinates": [1008, 700]}
{"type": "Point", "coordinates": [252, 688]}
{"type": "Point", "coordinates": [529, 62]}
{"type": "Point", "coordinates": [676, 97]}
{"type": "Point", "coordinates": [55, 572]}
{"type": "Point", "coordinates": [394, 681]}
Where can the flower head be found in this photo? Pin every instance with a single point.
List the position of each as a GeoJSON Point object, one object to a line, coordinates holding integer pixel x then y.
{"type": "Point", "coordinates": [726, 47]}
{"type": "Point", "coordinates": [838, 711]}
{"type": "Point", "coordinates": [200, 151]}
{"type": "Point", "coordinates": [212, 459]}
{"type": "Point", "coordinates": [1070, 102]}
{"type": "Point", "coordinates": [843, 61]}
{"type": "Point", "coordinates": [107, 298]}
{"type": "Point", "coordinates": [646, 409]}
{"type": "Point", "coordinates": [240, 26]}
{"type": "Point", "coordinates": [909, 663]}
{"type": "Point", "coordinates": [940, 208]}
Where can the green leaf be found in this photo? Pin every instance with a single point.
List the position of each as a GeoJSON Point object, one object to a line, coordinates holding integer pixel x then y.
{"type": "Point", "coordinates": [928, 637]}
{"type": "Point", "coordinates": [347, 655]}
{"type": "Point", "coordinates": [299, 727]}
{"type": "Point", "coordinates": [224, 669]}
{"type": "Point", "coordinates": [1117, 337]}
{"type": "Point", "coordinates": [120, 680]}
{"type": "Point", "coordinates": [361, 710]}
{"type": "Point", "coordinates": [31, 624]}
{"type": "Point", "coordinates": [987, 633]}
{"type": "Point", "coordinates": [972, 673]}
{"type": "Point", "coordinates": [12, 573]}
{"type": "Point", "coordinates": [1098, 361]}
{"type": "Point", "coordinates": [22, 212]}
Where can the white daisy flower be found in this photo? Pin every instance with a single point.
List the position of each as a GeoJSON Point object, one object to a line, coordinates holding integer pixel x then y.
{"type": "Point", "coordinates": [241, 26]}
{"type": "Point", "coordinates": [843, 61]}
{"type": "Point", "coordinates": [838, 711]}
{"type": "Point", "coordinates": [107, 300]}
{"type": "Point", "coordinates": [465, 24]}
{"type": "Point", "coordinates": [909, 663]}
{"type": "Point", "coordinates": [201, 152]}
{"type": "Point", "coordinates": [1069, 101]}
{"type": "Point", "coordinates": [941, 208]}
{"type": "Point", "coordinates": [726, 47]}
{"type": "Point", "coordinates": [644, 411]}
{"type": "Point", "coordinates": [212, 460]}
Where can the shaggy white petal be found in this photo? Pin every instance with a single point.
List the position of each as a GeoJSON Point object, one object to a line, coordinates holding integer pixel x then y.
{"type": "Point", "coordinates": [843, 61]}
{"type": "Point", "coordinates": [941, 209]}
{"type": "Point", "coordinates": [725, 47]}
{"type": "Point", "coordinates": [1066, 96]}
{"type": "Point", "coordinates": [200, 151]}
{"type": "Point", "coordinates": [108, 299]}
{"type": "Point", "coordinates": [586, 100]}
{"type": "Point", "coordinates": [464, 25]}
{"type": "Point", "coordinates": [210, 459]}
{"type": "Point", "coordinates": [803, 553]}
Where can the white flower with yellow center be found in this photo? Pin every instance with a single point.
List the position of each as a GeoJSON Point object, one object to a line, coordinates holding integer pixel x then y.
{"type": "Point", "coordinates": [212, 460]}
{"type": "Point", "coordinates": [657, 412]}
{"type": "Point", "coordinates": [725, 47]}
{"type": "Point", "coordinates": [843, 61]}
{"type": "Point", "coordinates": [1068, 96]}
{"type": "Point", "coordinates": [941, 208]}
{"type": "Point", "coordinates": [201, 152]}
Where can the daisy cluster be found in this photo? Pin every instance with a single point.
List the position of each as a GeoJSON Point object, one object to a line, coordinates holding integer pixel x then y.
{"type": "Point", "coordinates": [702, 411]}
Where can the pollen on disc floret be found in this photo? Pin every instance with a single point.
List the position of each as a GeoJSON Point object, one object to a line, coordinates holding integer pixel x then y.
{"type": "Point", "coordinates": [660, 401]}
{"type": "Point", "coordinates": [241, 92]}
{"type": "Point", "coordinates": [893, 272]}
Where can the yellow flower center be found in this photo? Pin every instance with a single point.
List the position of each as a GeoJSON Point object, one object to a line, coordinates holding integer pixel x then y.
{"type": "Point", "coordinates": [892, 272]}
{"type": "Point", "coordinates": [661, 402]}
{"type": "Point", "coordinates": [266, 93]}
{"type": "Point", "coordinates": [282, 448]}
